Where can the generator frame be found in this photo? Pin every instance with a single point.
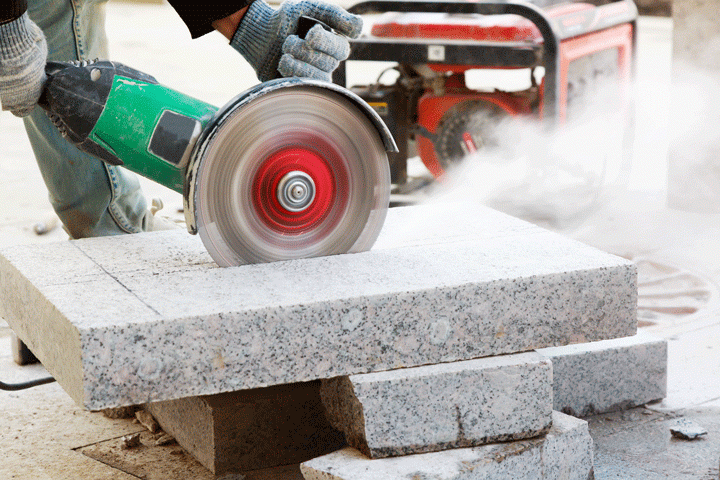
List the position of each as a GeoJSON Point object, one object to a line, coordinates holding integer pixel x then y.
{"type": "Point", "coordinates": [490, 54]}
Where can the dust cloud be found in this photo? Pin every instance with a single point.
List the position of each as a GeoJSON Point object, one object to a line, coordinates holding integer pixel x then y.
{"type": "Point", "coordinates": [668, 138]}
{"type": "Point", "coordinates": [550, 173]}
{"type": "Point", "coordinates": [694, 150]}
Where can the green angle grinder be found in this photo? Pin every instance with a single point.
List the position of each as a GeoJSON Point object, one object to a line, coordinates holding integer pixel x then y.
{"type": "Point", "coordinates": [291, 168]}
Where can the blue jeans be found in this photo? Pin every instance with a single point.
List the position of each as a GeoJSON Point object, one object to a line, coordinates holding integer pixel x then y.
{"type": "Point", "coordinates": [90, 197]}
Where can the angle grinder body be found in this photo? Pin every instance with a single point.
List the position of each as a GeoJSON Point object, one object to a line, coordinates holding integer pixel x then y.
{"type": "Point", "coordinates": [291, 168]}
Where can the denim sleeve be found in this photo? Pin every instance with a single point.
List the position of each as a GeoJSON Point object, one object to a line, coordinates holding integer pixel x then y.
{"type": "Point", "coordinates": [13, 11]}
{"type": "Point", "coordinates": [198, 16]}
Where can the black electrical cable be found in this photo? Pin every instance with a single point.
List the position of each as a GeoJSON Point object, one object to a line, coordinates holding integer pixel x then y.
{"type": "Point", "coordinates": [13, 387]}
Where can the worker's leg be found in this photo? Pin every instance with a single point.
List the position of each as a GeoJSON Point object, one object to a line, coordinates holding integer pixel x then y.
{"type": "Point", "coordinates": [90, 197]}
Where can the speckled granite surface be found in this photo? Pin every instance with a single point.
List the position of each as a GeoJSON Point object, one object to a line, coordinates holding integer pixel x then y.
{"type": "Point", "coordinates": [148, 317]}
{"type": "Point", "coordinates": [566, 453]}
{"type": "Point", "coordinates": [443, 406]}
{"type": "Point", "coordinates": [609, 375]}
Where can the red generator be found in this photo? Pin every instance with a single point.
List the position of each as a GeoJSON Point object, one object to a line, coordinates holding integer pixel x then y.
{"type": "Point", "coordinates": [565, 47]}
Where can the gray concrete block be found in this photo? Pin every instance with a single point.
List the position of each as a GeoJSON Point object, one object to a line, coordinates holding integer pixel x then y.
{"type": "Point", "coordinates": [253, 429]}
{"type": "Point", "coordinates": [609, 375]}
{"type": "Point", "coordinates": [438, 407]}
{"type": "Point", "coordinates": [565, 453]}
{"type": "Point", "coordinates": [148, 317]}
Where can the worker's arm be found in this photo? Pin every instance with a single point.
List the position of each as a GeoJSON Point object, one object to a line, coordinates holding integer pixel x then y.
{"type": "Point", "coordinates": [229, 25]}
{"type": "Point", "coordinates": [201, 17]}
{"type": "Point", "coordinates": [13, 11]}
{"type": "Point", "coordinates": [23, 54]}
{"type": "Point", "coordinates": [266, 36]}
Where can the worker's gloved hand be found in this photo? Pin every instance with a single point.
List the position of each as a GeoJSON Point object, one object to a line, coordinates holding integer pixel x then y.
{"type": "Point", "coordinates": [266, 38]}
{"type": "Point", "coordinates": [23, 54]}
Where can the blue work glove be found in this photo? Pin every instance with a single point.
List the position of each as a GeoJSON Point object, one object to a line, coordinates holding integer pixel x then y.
{"type": "Point", "coordinates": [266, 38]}
{"type": "Point", "coordinates": [23, 54]}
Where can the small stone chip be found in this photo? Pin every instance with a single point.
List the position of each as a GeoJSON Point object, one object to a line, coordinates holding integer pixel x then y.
{"type": "Point", "coordinates": [131, 441]}
{"type": "Point", "coordinates": [147, 421]}
{"type": "Point", "coordinates": [687, 430]}
{"type": "Point", "coordinates": [120, 412]}
{"type": "Point", "coordinates": [41, 228]}
{"type": "Point", "coordinates": [164, 439]}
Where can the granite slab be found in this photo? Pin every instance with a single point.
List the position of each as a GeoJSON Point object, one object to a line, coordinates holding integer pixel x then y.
{"type": "Point", "coordinates": [608, 375]}
{"type": "Point", "coordinates": [149, 317]}
{"type": "Point", "coordinates": [565, 453]}
{"type": "Point", "coordinates": [252, 429]}
{"type": "Point", "coordinates": [443, 406]}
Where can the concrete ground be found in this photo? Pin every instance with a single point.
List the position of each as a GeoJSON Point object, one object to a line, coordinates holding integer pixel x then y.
{"type": "Point", "coordinates": [43, 435]}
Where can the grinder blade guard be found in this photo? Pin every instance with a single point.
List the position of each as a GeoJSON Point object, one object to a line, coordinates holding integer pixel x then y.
{"type": "Point", "coordinates": [299, 171]}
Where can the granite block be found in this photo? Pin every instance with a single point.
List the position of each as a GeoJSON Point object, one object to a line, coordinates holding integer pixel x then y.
{"type": "Point", "coordinates": [148, 317]}
{"type": "Point", "coordinates": [253, 429]}
{"type": "Point", "coordinates": [565, 453]}
{"type": "Point", "coordinates": [438, 407]}
{"type": "Point", "coordinates": [609, 375]}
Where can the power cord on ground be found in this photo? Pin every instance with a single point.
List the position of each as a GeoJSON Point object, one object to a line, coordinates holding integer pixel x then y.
{"type": "Point", "coordinates": [14, 387]}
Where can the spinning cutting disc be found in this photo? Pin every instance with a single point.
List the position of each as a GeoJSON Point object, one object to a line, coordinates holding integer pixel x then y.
{"type": "Point", "coordinates": [294, 173]}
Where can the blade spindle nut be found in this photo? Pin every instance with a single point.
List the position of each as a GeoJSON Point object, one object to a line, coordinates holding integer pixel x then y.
{"type": "Point", "coordinates": [296, 191]}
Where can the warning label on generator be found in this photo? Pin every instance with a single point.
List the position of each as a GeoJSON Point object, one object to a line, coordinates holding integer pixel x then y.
{"type": "Point", "coordinates": [380, 107]}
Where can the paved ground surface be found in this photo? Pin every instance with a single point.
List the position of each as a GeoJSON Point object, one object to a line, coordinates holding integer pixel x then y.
{"type": "Point", "coordinates": [43, 435]}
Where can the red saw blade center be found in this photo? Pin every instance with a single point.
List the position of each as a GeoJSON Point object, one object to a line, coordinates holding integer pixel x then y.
{"type": "Point", "coordinates": [268, 177]}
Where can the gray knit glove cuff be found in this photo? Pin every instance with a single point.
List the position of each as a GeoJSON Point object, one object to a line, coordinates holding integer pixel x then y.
{"type": "Point", "coordinates": [266, 38]}
{"type": "Point", "coordinates": [23, 54]}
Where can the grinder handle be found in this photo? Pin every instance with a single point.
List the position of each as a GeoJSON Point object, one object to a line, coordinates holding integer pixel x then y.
{"type": "Point", "coordinates": [74, 97]}
{"type": "Point", "coordinates": [51, 69]}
